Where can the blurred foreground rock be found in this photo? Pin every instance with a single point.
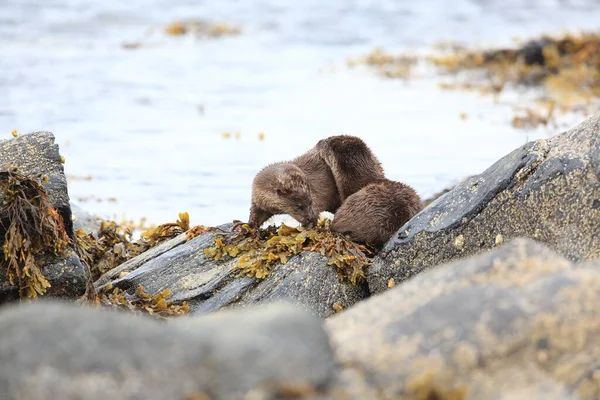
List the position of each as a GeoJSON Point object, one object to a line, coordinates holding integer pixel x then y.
{"type": "Point", "coordinates": [209, 285]}
{"type": "Point", "coordinates": [60, 351]}
{"type": "Point", "coordinates": [34, 154]}
{"type": "Point", "coordinates": [517, 323]}
{"type": "Point", "coordinates": [547, 190]}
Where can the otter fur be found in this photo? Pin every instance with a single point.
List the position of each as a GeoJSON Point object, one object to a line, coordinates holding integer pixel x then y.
{"type": "Point", "coordinates": [374, 213]}
{"type": "Point", "coordinates": [318, 180]}
{"type": "Point", "coordinates": [353, 164]}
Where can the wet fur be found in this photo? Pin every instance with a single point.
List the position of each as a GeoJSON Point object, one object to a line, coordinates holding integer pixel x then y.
{"type": "Point", "coordinates": [318, 180]}
{"type": "Point", "coordinates": [353, 163]}
{"type": "Point", "coordinates": [373, 214]}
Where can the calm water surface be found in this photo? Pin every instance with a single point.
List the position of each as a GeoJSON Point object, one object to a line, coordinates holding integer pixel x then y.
{"type": "Point", "coordinates": [131, 119]}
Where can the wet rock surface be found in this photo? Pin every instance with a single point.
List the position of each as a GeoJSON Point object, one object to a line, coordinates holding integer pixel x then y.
{"type": "Point", "coordinates": [33, 154]}
{"type": "Point", "coordinates": [84, 221]}
{"type": "Point", "coordinates": [547, 190]}
{"type": "Point", "coordinates": [209, 285]}
{"type": "Point", "coordinates": [62, 351]}
{"type": "Point", "coordinates": [517, 322]}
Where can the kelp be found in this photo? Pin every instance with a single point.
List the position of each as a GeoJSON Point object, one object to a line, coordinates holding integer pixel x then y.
{"type": "Point", "coordinates": [197, 231]}
{"type": "Point", "coordinates": [258, 250]}
{"type": "Point", "coordinates": [562, 74]}
{"type": "Point", "coordinates": [115, 245]}
{"type": "Point", "coordinates": [387, 64]}
{"type": "Point", "coordinates": [202, 28]}
{"type": "Point", "coordinates": [32, 227]}
{"type": "Point", "coordinates": [142, 302]}
{"type": "Point", "coordinates": [567, 68]}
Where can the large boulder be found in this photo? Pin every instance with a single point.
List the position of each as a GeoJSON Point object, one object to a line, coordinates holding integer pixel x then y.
{"type": "Point", "coordinates": [62, 351]}
{"type": "Point", "coordinates": [209, 285]}
{"type": "Point", "coordinates": [547, 190]}
{"type": "Point", "coordinates": [33, 154]}
{"type": "Point", "coordinates": [519, 322]}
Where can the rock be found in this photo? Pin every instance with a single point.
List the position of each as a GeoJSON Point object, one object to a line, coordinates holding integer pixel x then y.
{"type": "Point", "coordinates": [36, 153]}
{"type": "Point", "coordinates": [547, 190]}
{"type": "Point", "coordinates": [85, 221]}
{"type": "Point", "coordinates": [209, 285]}
{"type": "Point", "coordinates": [62, 351]}
{"type": "Point", "coordinates": [517, 322]}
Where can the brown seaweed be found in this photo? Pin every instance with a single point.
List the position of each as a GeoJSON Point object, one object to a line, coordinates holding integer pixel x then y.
{"type": "Point", "coordinates": [142, 302]}
{"type": "Point", "coordinates": [32, 227]}
{"type": "Point", "coordinates": [258, 250]}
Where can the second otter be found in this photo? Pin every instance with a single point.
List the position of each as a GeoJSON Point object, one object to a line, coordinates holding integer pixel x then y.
{"type": "Point", "coordinates": [374, 213]}
{"type": "Point", "coordinates": [318, 180]}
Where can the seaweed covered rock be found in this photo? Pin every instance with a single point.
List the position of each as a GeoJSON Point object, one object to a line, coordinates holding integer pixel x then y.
{"type": "Point", "coordinates": [208, 284]}
{"type": "Point", "coordinates": [547, 190]}
{"type": "Point", "coordinates": [37, 154]}
{"type": "Point", "coordinates": [518, 322]}
{"type": "Point", "coordinates": [63, 351]}
{"type": "Point", "coordinates": [37, 256]}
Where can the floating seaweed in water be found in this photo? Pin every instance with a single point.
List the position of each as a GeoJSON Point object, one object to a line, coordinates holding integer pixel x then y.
{"type": "Point", "coordinates": [566, 68]}
{"type": "Point", "coordinates": [386, 64]}
{"type": "Point", "coordinates": [202, 28]}
{"type": "Point", "coordinates": [114, 244]}
{"type": "Point", "coordinates": [142, 302]}
{"type": "Point", "coordinates": [32, 227]}
{"type": "Point", "coordinates": [258, 250]}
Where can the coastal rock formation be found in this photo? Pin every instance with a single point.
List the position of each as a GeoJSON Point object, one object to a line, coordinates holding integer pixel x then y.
{"type": "Point", "coordinates": [37, 154]}
{"type": "Point", "coordinates": [517, 322]}
{"type": "Point", "coordinates": [547, 190]}
{"type": "Point", "coordinates": [62, 351]}
{"type": "Point", "coordinates": [208, 285]}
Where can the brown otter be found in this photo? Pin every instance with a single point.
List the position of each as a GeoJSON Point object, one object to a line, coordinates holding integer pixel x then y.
{"type": "Point", "coordinates": [353, 164]}
{"type": "Point", "coordinates": [318, 180]}
{"type": "Point", "coordinates": [374, 213]}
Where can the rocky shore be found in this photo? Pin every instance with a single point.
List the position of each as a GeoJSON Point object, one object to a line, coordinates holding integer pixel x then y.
{"type": "Point", "coordinates": [492, 291]}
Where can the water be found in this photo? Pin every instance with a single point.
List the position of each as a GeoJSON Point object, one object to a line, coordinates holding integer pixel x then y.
{"type": "Point", "coordinates": [131, 119]}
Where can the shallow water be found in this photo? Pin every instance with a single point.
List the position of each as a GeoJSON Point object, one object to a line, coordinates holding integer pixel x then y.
{"type": "Point", "coordinates": [131, 119]}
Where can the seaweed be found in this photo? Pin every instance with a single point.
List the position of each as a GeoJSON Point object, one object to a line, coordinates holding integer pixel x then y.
{"type": "Point", "coordinates": [142, 302]}
{"type": "Point", "coordinates": [562, 73]}
{"type": "Point", "coordinates": [386, 64]}
{"type": "Point", "coordinates": [32, 227]}
{"type": "Point", "coordinates": [115, 245]}
{"type": "Point", "coordinates": [258, 250]}
{"type": "Point", "coordinates": [197, 231]}
{"type": "Point", "coordinates": [202, 28]}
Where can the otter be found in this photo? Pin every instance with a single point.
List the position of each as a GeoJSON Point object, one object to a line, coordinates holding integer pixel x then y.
{"type": "Point", "coordinates": [318, 180]}
{"type": "Point", "coordinates": [353, 164]}
{"type": "Point", "coordinates": [374, 213]}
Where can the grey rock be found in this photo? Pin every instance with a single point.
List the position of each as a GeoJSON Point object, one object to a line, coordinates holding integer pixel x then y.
{"type": "Point", "coordinates": [62, 351]}
{"type": "Point", "coordinates": [516, 322]}
{"type": "Point", "coordinates": [547, 190]}
{"type": "Point", "coordinates": [84, 221]}
{"type": "Point", "coordinates": [36, 153]}
{"type": "Point", "coordinates": [209, 285]}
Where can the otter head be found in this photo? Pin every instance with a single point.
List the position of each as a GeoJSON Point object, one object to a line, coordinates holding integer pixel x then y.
{"type": "Point", "coordinates": [349, 224]}
{"type": "Point", "coordinates": [357, 220]}
{"type": "Point", "coordinates": [295, 196]}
